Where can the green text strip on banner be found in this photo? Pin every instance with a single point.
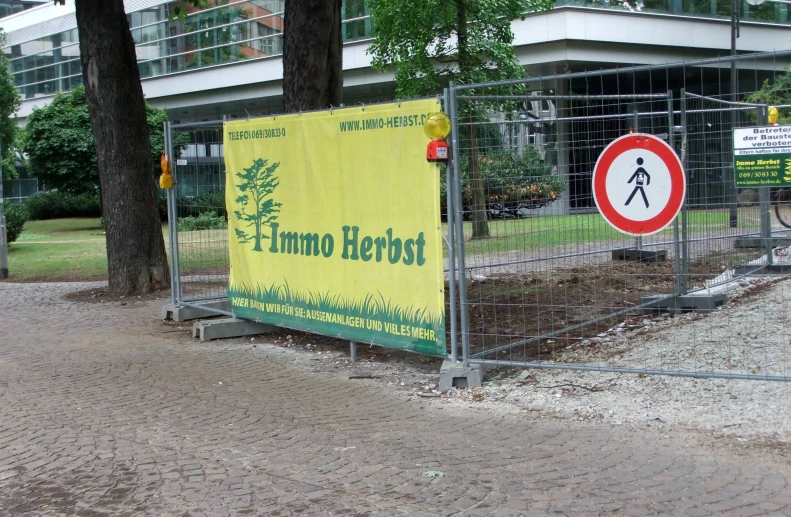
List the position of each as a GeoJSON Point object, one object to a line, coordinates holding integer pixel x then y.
{"type": "Point", "coordinates": [334, 225]}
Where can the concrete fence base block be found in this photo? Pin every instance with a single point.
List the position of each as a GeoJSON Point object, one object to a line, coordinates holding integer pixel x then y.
{"type": "Point", "coordinates": [758, 242]}
{"type": "Point", "coordinates": [181, 313]}
{"type": "Point", "coordinates": [454, 375]}
{"type": "Point", "coordinates": [635, 255]}
{"type": "Point", "coordinates": [697, 302]}
{"type": "Point", "coordinates": [229, 328]}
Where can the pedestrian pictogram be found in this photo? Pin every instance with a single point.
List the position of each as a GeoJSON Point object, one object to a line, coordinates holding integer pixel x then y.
{"type": "Point", "coordinates": [642, 176]}
{"type": "Point", "coordinates": [639, 184]}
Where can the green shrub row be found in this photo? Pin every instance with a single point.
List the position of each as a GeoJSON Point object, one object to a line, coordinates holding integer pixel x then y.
{"type": "Point", "coordinates": [60, 205]}
{"type": "Point", "coordinates": [15, 217]}
{"type": "Point", "coordinates": [209, 203]}
{"type": "Point", "coordinates": [205, 221]}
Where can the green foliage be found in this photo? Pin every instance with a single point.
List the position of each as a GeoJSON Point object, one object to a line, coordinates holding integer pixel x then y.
{"type": "Point", "coordinates": [9, 103]}
{"type": "Point", "coordinates": [15, 217]}
{"type": "Point", "coordinates": [510, 181]}
{"type": "Point", "coordinates": [60, 144]}
{"type": "Point", "coordinates": [61, 205]}
{"type": "Point", "coordinates": [205, 221]}
{"type": "Point", "coordinates": [511, 178]}
{"type": "Point", "coordinates": [181, 9]}
{"type": "Point", "coordinates": [211, 202]}
{"type": "Point", "coordinates": [433, 41]}
{"type": "Point", "coordinates": [258, 183]}
{"type": "Point", "coordinates": [773, 93]}
{"type": "Point", "coordinates": [162, 208]}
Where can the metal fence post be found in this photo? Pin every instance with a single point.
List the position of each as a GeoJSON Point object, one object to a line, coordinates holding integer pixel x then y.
{"type": "Point", "coordinates": [762, 119]}
{"type": "Point", "coordinates": [638, 241]}
{"type": "Point", "coordinates": [173, 220]}
{"type": "Point", "coordinates": [459, 207]}
{"type": "Point", "coordinates": [671, 138]}
{"type": "Point", "coordinates": [685, 205]}
{"type": "Point", "coordinates": [3, 234]}
{"type": "Point", "coordinates": [449, 194]}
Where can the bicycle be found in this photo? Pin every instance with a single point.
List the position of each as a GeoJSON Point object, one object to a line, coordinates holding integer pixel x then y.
{"type": "Point", "coordinates": [783, 206]}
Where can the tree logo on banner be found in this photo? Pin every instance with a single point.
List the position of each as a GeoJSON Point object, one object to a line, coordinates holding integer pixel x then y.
{"type": "Point", "coordinates": [258, 208]}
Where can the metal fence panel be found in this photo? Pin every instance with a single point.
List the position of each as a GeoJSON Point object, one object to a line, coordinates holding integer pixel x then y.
{"type": "Point", "coordinates": [538, 280]}
{"type": "Point", "coordinates": [198, 196]}
{"type": "Point", "coordinates": [16, 191]}
{"type": "Point", "coordinates": [543, 286]}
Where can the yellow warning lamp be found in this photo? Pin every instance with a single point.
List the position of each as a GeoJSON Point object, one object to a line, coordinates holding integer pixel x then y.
{"type": "Point", "coordinates": [437, 128]}
{"type": "Point", "coordinates": [774, 115]}
{"type": "Point", "coordinates": [166, 179]}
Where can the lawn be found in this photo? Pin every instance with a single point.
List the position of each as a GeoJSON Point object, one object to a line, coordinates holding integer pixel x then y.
{"type": "Point", "coordinates": [74, 249]}
{"type": "Point", "coordinates": [59, 250]}
{"type": "Point", "coordinates": [558, 230]}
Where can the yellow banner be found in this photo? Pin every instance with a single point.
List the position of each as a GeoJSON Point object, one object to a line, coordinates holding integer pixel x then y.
{"type": "Point", "coordinates": [334, 225]}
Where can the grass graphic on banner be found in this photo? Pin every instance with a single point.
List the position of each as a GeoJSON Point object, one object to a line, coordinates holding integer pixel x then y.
{"type": "Point", "coordinates": [370, 309]}
{"type": "Point", "coordinates": [259, 183]}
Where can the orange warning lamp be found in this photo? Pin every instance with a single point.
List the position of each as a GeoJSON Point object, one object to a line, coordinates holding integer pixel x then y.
{"type": "Point", "coordinates": [437, 128]}
{"type": "Point", "coordinates": [166, 179]}
{"type": "Point", "coordinates": [773, 115]}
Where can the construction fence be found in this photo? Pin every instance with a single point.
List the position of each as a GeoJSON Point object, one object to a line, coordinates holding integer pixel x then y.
{"type": "Point", "coordinates": [535, 276]}
{"type": "Point", "coordinates": [17, 190]}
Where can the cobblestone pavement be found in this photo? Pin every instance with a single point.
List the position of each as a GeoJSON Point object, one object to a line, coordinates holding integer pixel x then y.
{"type": "Point", "coordinates": [103, 411]}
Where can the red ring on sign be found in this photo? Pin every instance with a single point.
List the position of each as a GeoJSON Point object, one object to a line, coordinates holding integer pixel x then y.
{"type": "Point", "coordinates": [678, 186]}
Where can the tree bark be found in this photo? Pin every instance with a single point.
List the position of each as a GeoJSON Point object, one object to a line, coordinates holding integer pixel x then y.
{"type": "Point", "coordinates": [312, 55]}
{"type": "Point", "coordinates": [137, 262]}
{"type": "Point", "coordinates": [480, 224]}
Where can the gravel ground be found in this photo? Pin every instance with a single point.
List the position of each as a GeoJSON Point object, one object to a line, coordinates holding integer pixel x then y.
{"type": "Point", "coordinates": [750, 335]}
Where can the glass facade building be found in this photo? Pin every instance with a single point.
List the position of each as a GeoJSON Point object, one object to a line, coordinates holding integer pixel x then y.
{"type": "Point", "coordinates": [236, 30]}
{"type": "Point", "coordinates": [9, 7]}
{"type": "Point", "coordinates": [227, 32]}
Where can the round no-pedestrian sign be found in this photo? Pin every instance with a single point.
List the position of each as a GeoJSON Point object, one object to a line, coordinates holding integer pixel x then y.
{"type": "Point", "coordinates": [639, 184]}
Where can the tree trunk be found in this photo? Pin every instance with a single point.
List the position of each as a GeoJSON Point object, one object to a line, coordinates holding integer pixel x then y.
{"type": "Point", "coordinates": [480, 224]}
{"type": "Point", "coordinates": [137, 262]}
{"type": "Point", "coordinates": [312, 55]}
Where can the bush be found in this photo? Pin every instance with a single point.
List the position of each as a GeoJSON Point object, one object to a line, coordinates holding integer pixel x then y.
{"type": "Point", "coordinates": [209, 203]}
{"type": "Point", "coordinates": [512, 182]}
{"type": "Point", "coordinates": [162, 207]}
{"type": "Point", "coordinates": [206, 221]}
{"type": "Point", "coordinates": [513, 179]}
{"type": "Point", "coordinates": [60, 205]}
{"type": "Point", "coordinates": [15, 217]}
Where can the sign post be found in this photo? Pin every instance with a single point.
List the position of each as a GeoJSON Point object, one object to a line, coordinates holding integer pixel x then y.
{"type": "Point", "coordinates": [639, 184]}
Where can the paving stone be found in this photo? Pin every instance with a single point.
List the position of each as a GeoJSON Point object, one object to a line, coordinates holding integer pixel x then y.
{"type": "Point", "coordinates": [102, 413]}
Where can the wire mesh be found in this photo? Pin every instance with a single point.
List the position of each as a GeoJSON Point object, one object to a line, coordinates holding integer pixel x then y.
{"type": "Point", "coordinates": [543, 285]}
{"type": "Point", "coordinates": [202, 227]}
{"type": "Point", "coordinates": [17, 190]}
